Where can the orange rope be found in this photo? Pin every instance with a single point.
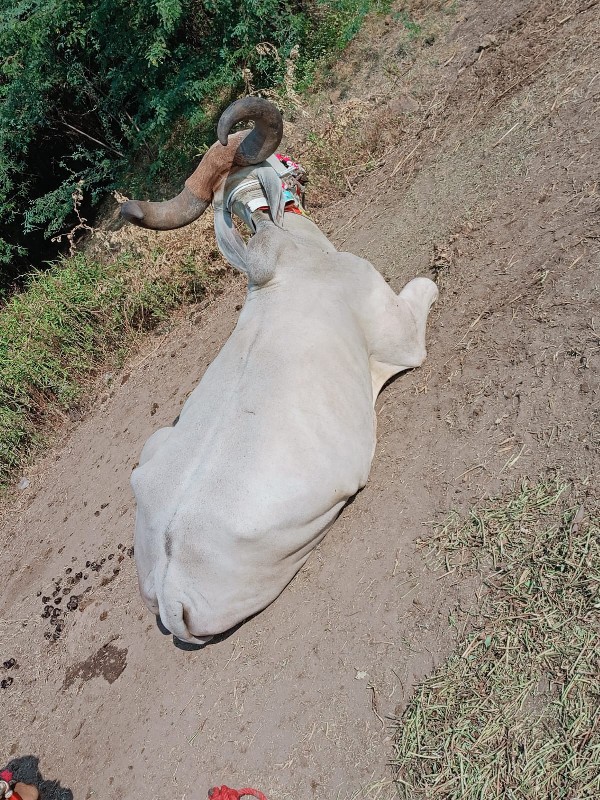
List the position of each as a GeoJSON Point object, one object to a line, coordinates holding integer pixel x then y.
{"type": "Point", "coordinates": [225, 793]}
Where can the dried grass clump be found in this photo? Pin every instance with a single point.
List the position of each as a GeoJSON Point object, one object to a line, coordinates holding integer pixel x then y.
{"type": "Point", "coordinates": [515, 713]}
{"type": "Point", "coordinates": [342, 146]}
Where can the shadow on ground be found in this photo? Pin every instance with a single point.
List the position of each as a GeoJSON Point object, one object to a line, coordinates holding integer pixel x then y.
{"type": "Point", "coordinates": [27, 770]}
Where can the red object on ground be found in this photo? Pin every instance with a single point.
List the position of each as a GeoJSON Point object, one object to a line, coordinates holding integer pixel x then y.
{"type": "Point", "coordinates": [7, 776]}
{"type": "Point", "coordinates": [225, 793]}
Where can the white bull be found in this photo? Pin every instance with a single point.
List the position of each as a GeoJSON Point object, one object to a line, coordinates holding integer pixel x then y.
{"type": "Point", "coordinates": [279, 433]}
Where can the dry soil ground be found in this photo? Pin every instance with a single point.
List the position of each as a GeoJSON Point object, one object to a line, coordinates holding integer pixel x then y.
{"type": "Point", "coordinates": [485, 171]}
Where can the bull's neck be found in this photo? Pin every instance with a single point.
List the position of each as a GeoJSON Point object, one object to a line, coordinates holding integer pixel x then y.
{"type": "Point", "coordinates": [303, 228]}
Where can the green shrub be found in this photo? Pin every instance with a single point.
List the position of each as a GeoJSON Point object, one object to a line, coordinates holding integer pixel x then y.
{"type": "Point", "coordinates": [104, 94]}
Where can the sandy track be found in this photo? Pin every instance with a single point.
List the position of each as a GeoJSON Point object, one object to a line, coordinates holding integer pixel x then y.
{"type": "Point", "coordinates": [296, 700]}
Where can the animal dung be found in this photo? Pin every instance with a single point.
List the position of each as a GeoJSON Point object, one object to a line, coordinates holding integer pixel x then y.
{"type": "Point", "coordinates": [10, 663]}
{"type": "Point", "coordinates": [63, 587]}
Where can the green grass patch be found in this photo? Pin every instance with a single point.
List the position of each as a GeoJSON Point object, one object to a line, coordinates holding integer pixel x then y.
{"type": "Point", "coordinates": [68, 323]}
{"type": "Point", "coordinates": [515, 712]}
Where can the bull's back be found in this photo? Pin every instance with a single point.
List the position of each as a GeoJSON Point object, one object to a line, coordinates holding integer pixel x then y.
{"type": "Point", "coordinates": [284, 413]}
{"type": "Point", "coordinates": [279, 433]}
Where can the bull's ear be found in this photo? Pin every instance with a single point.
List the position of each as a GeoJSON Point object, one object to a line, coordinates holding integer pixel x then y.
{"type": "Point", "coordinates": [271, 184]}
{"type": "Point", "coordinates": [229, 241]}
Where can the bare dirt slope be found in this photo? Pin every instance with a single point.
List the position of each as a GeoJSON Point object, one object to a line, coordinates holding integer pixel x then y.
{"type": "Point", "coordinates": [490, 178]}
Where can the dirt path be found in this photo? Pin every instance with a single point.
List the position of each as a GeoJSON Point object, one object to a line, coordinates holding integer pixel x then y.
{"type": "Point", "coordinates": [500, 196]}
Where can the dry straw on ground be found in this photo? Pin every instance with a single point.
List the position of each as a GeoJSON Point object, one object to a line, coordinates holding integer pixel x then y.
{"type": "Point", "coordinates": [515, 713]}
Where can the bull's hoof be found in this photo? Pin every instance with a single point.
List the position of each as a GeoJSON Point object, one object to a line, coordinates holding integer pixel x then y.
{"type": "Point", "coordinates": [181, 645]}
{"type": "Point", "coordinates": [161, 627]}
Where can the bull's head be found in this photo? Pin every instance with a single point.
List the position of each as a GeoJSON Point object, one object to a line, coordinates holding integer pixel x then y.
{"type": "Point", "coordinates": [231, 153]}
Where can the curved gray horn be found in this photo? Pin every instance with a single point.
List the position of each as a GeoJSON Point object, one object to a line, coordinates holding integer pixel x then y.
{"type": "Point", "coordinates": [261, 142]}
{"type": "Point", "coordinates": [165, 216]}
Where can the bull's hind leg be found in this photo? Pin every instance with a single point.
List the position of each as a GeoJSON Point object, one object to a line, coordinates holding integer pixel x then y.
{"type": "Point", "coordinates": [397, 339]}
